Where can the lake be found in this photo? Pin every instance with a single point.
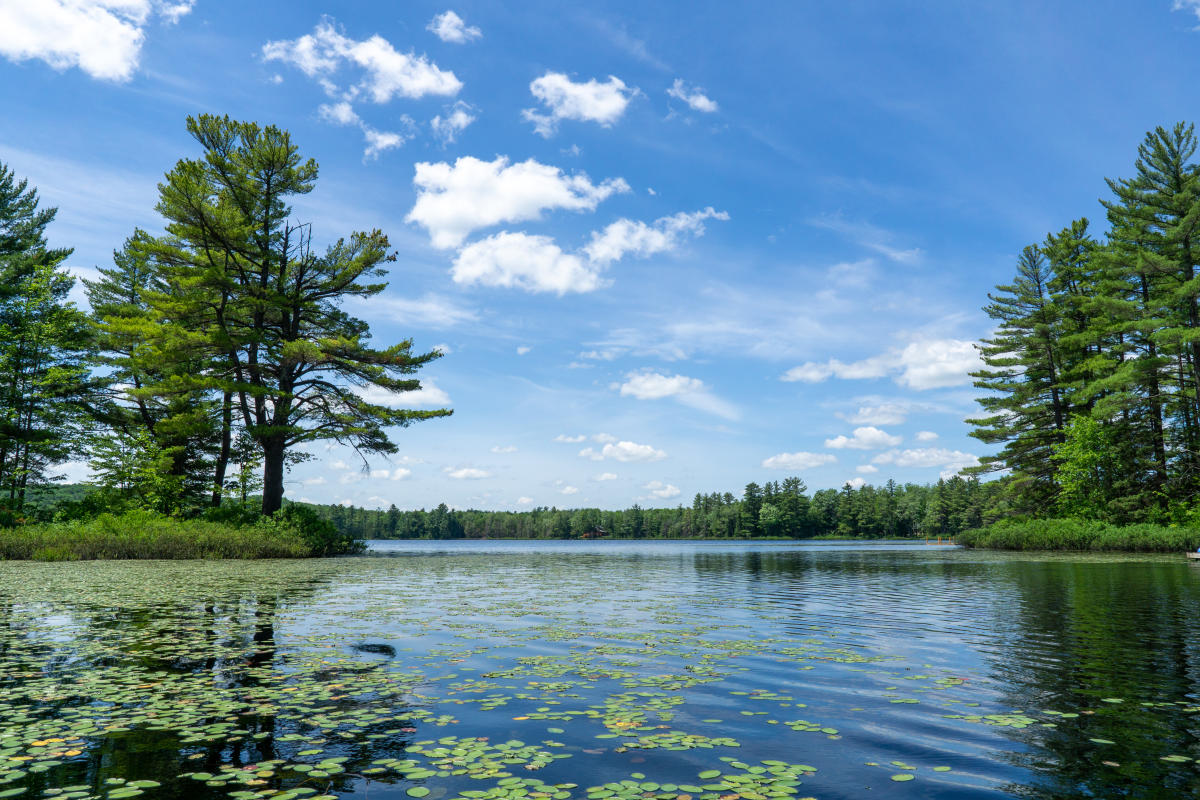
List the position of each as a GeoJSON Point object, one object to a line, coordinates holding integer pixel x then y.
{"type": "Point", "coordinates": [603, 670]}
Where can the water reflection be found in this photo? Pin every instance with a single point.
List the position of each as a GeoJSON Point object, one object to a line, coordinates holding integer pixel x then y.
{"type": "Point", "coordinates": [1032, 677]}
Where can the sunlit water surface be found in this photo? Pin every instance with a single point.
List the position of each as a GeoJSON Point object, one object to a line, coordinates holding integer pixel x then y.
{"type": "Point", "coordinates": [543, 669]}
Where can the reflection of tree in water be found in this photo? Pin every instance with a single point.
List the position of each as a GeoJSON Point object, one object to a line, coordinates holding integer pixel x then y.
{"type": "Point", "coordinates": [226, 640]}
{"type": "Point", "coordinates": [1091, 631]}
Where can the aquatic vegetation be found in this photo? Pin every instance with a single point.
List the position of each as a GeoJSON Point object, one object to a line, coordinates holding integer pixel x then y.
{"type": "Point", "coordinates": [1079, 534]}
{"type": "Point", "coordinates": [395, 678]}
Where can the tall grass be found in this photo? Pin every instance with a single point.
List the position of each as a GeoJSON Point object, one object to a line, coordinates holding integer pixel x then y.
{"type": "Point", "coordinates": [1079, 534]}
{"type": "Point", "coordinates": [140, 534]}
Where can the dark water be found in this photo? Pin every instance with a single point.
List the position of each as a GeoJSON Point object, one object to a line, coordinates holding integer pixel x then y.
{"type": "Point", "coordinates": [595, 663]}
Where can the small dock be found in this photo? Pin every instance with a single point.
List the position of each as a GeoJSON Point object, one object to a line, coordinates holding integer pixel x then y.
{"type": "Point", "coordinates": [1194, 556]}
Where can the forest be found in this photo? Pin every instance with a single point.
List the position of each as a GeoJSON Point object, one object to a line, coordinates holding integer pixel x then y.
{"type": "Point", "coordinates": [775, 509]}
{"type": "Point", "coordinates": [1091, 388]}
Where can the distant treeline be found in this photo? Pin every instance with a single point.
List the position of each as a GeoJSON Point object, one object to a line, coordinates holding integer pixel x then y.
{"type": "Point", "coordinates": [773, 509]}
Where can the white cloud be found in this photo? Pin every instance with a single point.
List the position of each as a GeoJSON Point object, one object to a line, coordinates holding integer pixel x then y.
{"type": "Point", "coordinates": [380, 141]}
{"type": "Point", "coordinates": [400, 473]}
{"type": "Point", "coordinates": [856, 483]}
{"type": "Point", "coordinates": [921, 364]}
{"type": "Point", "coordinates": [380, 473]}
{"type": "Point", "coordinates": [592, 101]}
{"type": "Point", "coordinates": [467, 473]}
{"type": "Point", "coordinates": [524, 501]}
{"type": "Point", "coordinates": [504, 449]}
{"type": "Point", "coordinates": [800, 460]}
{"type": "Point", "coordinates": [562, 437]}
{"type": "Point", "coordinates": [457, 118]}
{"type": "Point", "coordinates": [926, 436]}
{"type": "Point", "coordinates": [387, 72]}
{"type": "Point", "coordinates": [867, 438]}
{"type": "Point", "coordinates": [606, 476]}
{"type": "Point", "coordinates": [951, 461]}
{"type": "Point", "coordinates": [936, 363]}
{"type": "Point", "coordinates": [694, 97]}
{"type": "Point", "coordinates": [866, 469]}
{"type": "Point", "coordinates": [603, 437]}
{"type": "Point", "coordinates": [341, 113]}
{"type": "Point", "coordinates": [624, 451]}
{"type": "Point", "coordinates": [449, 27]}
{"type": "Point", "coordinates": [317, 481]}
{"type": "Point", "coordinates": [689, 391]}
{"type": "Point", "coordinates": [101, 37]}
{"type": "Point", "coordinates": [662, 490]}
{"type": "Point", "coordinates": [882, 414]}
{"type": "Point", "coordinates": [444, 349]}
{"type": "Point", "coordinates": [429, 395]}
{"type": "Point", "coordinates": [523, 349]}
{"type": "Point", "coordinates": [523, 261]}
{"type": "Point", "coordinates": [630, 236]}
{"type": "Point", "coordinates": [428, 311]}
{"type": "Point", "coordinates": [569, 490]}
{"type": "Point", "coordinates": [1187, 5]}
{"type": "Point", "coordinates": [454, 200]}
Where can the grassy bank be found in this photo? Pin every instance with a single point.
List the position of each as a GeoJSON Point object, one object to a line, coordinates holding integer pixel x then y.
{"type": "Point", "coordinates": [139, 534]}
{"type": "Point", "coordinates": [1084, 535]}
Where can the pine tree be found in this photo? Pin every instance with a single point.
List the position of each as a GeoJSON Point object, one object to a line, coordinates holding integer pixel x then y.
{"type": "Point", "coordinates": [44, 341]}
{"type": "Point", "coordinates": [263, 307]}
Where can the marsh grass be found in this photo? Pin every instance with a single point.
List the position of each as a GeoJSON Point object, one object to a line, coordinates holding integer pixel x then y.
{"type": "Point", "coordinates": [1078, 534]}
{"type": "Point", "coordinates": [139, 534]}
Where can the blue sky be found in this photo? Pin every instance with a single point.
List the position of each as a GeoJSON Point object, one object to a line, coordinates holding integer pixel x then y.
{"type": "Point", "coordinates": [667, 248]}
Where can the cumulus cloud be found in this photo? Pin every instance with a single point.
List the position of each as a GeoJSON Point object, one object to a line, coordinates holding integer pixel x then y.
{"type": "Point", "coordinates": [430, 395]}
{"type": "Point", "coordinates": [694, 97]}
{"type": "Point", "coordinates": [926, 436]}
{"type": "Point", "coordinates": [856, 483]}
{"type": "Point", "coordinates": [103, 38]}
{"type": "Point", "coordinates": [450, 27]}
{"type": "Point", "coordinates": [606, 476]}
{"type": "Point", "coordinates": [921, 364]}
{"type": "Point", "coordinates": [689, 391]}
{"type": "Point", "coordinates": [661, 490]}
{"type": "Point", "coordinates": [800, 460]}
{"type": "Point", "coordinates": [523, 349]}
{"type": "Point", "coordinates": [386, 72]}
{"type": "Point", "coordinates": [523, 261]}
{"type": "Point", "coordinates": [467, 473]}
{"type": "Point", "coordinates": [629, 236]}
{"type": "Point", "coordinates": [562, 437]}
{"type": "Point", "coordinates": [504, 449]}
{"type": "Point", "coordinates": [881, 414]}
{"type": "Point", "coordinates": [457, 118]}
{"type": "Point", "coordinates": [866, 469]}
{"type": "Point", "coordinates": [569, 490]}
{"type": "Point", "coordinates": [455, 199]}
{"type": "Point", "coordinates": [524, 501]}
{"type": "Point", "coordinates": [624, 451]}
{"type": "Point", "coordinates": [593, 101]}
{"type": "Point", "coordinates": [951, 461]}
{"type": "Point", "coordinates": [603, 437]}
{"type": "Point", "coordinates": [866, 438]}
{"type": "Point", "coordinates": [400, 473]}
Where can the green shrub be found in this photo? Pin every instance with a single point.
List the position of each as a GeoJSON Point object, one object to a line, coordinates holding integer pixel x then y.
{"type": "Point", "coordinates": [321, 535]}
{"type": "Point", "coordinates": [145, 534]}
{"type": "Point", "coordinates": [1080, 535]}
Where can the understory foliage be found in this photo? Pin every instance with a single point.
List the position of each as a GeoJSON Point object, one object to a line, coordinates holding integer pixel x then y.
{"type": "Point", "coordinates": [1082, 535]}
{"type": "Point", "coordinates": [773, 509]}
{"type": "Point", "coordinates": [1093, 372]}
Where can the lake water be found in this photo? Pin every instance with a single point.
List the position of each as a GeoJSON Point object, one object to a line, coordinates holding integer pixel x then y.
{"type": "Point", "coordinates": [603, 670]}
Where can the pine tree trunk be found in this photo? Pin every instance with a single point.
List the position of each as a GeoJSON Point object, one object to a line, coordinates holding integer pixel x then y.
{"type": "Point", "coordinates": [272, 499]}
{"type": "Point", "coordinates": [226, 442]}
